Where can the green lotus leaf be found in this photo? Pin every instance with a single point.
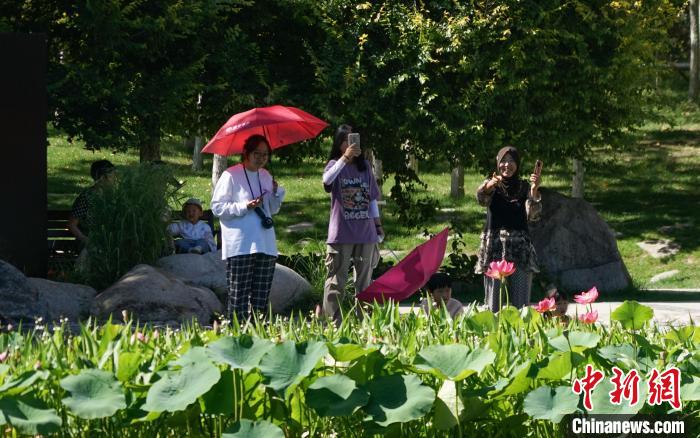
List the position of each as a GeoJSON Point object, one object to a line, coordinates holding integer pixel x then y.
{"type": "Point", "coordinates": [632, 315]}
{"type": "Point", "coordinates": [243, 352]}
{"type": "Point", "coordinates": [545, 403]}
{"type": "Point", "coordinates": [484, 321]}
{"type": "Point", "coordinates": [345, 352]}
{"type": "Point", "coordinates": [691, 391]}
{"type": "Point", "coordinates": [219, 399]}
{"type": "Point", "coordinates": [454, 361]}
{"type": "Point", "coordinates": [287, 363]}
{"type": "Point", "coordinates": [22, 382]}
{"type": "Point", "coordinates": [511, 315]}
{"type": "Point", "coordinates": [336, 396]}
{"type": "Point", "coordinates": [128, 365]}
{"type": "Point", "coordinates": [600, 397]}
{"type": "Point", "coordinates": [29, 416]}
{"type": "Point", "coordinates": [577, 341]}
{"type": "Point", "coordinates": [249, 429]}
{"type": "Point", "coordinates": [684, 334]}
{"type": "Point", "coordinates": [616, 353]}
{"type": "Point", "coordinates": [445, 417]}
{"type": "Point", "coordinates": [559, 366]}
{"type": "Point", "coordinates": [93, 394]}
{"type": "Point", "coordinates": [398, 399]}
{"type": "Point", "coordinates": [523, 376]}
{"type": "Point", "coordinates": [179, 388]}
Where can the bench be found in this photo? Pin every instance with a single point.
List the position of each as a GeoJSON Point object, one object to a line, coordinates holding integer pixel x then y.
{"type": "Point", "coordinates": [64, 247]}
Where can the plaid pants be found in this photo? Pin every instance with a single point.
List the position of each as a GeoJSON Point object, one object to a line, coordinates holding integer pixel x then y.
{"type": "Point", "coordinates": [519, 285]}
{"type": "Point", "coordinates": [249, 279]}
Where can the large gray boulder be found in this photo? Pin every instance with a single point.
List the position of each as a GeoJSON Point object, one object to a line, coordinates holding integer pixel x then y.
{"type": "Point", "coordinates": [18, 299]}
{"type": "Point", "coordinates": [208, 270]}
{"type": "Point", "coordinates": [575, 247]}
{"type": "Point", "coordinates": [154, 295]}
{"type": "Point", "coordinates": [64, 300]}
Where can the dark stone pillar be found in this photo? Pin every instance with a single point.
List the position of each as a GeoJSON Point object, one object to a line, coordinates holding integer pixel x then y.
{"type": "Point", "coordinates": [23, 111]}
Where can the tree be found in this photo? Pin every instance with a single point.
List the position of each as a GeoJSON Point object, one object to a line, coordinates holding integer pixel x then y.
{"type": "Point", "coordinates": [458, 81]}
{"type": "Point", "coordinates": [694, 29]}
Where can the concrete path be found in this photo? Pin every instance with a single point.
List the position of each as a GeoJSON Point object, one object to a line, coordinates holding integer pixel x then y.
{"type": "Point", "coordinates": [665, 313]}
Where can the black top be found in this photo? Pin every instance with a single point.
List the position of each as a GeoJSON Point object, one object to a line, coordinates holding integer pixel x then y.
{"type": "Point", "coordinates": [507, 208]}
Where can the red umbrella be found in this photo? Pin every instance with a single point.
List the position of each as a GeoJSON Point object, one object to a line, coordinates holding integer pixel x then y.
{"type": "Point", "coordinates": [410, 274]}
{"type": "Point", "coordinates": [281, 125]}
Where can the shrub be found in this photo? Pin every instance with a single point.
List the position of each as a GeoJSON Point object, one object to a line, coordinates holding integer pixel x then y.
{"type": "Point", "coordinates": [129, 223]}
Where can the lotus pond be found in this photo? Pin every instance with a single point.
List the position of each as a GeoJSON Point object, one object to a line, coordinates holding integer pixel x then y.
{"type": "Point", "coordinates": [384, 373]}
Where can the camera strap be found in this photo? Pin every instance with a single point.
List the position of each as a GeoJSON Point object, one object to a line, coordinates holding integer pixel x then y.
{"type": "Point", "coordinates": [245, 172]}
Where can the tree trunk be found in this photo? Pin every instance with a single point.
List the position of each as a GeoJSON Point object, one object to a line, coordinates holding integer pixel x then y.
{"type": "Point", "coordinates": [197, 160]}
{"type": "Point", "coordinates": [694, 84]}
{"type": "Point", "coordinates": [577, 182]}
{"type": "Point", "coordinates": [457, 182]}
{"type": "Point", "coordinates": [413, 163]}
{"type": "Point", "coordinates": [150, 150]}
{"type": "Point", "coordinates": [219, 164]}
{"type": "Point", "coordinates": [376, 164]}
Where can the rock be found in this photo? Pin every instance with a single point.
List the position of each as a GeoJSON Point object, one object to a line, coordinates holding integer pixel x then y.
{"type": "Point", "coordinates": [663, 276]}
{"type": "Point", "coordinates": [670, 229]}
{"type": "Point", "coordinates": [18, 299]}
{"type": "Point", "coordinates": [206, 270]}
{"type": "Point", "coordinates": [153, 295]}
{"type": "Point", "coordinates": [659, 248]}
{"type": "Point", "coordinates": [575, 247]}
{"type": "Point", "coordinates": [301, 226]}
{"type": "Point", "coordinates": [209, 271]}
{"type": "Point", "coordinates": [64, 300]}
{"type": "Point", "coordinates": [288, 288]}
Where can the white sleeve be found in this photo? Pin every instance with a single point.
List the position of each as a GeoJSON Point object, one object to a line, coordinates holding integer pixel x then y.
{"type": "Point", "coordinates": [276, 200]}
{"type": "Point", "coordinates": [224, 201]}
{"type": "Point", "coordinates": [373, 208]}
{"type": "Point", "coordinates": [174, 229]}
{"type": "Point", "coordinates": [331, 174]}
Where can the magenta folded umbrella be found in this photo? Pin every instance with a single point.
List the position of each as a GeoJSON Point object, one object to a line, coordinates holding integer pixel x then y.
{"type": "Point", "coordinates": [410, 274]}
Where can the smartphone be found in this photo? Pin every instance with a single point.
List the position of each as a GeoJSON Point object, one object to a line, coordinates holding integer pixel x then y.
{"type": "Point", "coordinates": [354, 138]}
{"type": "Point", "coordinates": [538, 167]}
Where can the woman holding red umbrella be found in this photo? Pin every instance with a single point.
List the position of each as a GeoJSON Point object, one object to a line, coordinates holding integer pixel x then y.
{"type": "Point", "coordinates": [245, 198]}
{"type": "Point", "coordinates": [354, 227]}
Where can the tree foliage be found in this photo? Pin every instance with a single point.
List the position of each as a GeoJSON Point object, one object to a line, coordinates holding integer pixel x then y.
{"type": "Point", "coordinates": [440, 80]}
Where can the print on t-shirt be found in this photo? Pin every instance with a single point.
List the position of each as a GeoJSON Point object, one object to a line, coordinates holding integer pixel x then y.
{"type": "Point", "coordinates": [355, 195]}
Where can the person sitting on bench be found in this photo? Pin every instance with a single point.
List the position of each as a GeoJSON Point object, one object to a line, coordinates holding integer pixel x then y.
{"type": "Point", "coordinates": [197, 236]}
{"type": "Point", "coordinates": [102, 172]}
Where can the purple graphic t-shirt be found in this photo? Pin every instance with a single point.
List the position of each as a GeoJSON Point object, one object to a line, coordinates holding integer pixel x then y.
{"type": "Point", "coordinates": [350, 197]}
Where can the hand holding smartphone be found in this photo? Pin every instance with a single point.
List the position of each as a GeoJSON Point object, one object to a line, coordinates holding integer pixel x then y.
{"type": "Point", "coordinates": [538, 167]}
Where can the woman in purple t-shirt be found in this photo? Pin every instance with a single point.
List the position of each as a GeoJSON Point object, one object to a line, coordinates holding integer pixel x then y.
{"type": "Point", "coordinates": [354, 227]}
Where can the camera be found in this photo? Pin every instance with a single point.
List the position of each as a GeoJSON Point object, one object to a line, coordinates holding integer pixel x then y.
{"type": "Point", "coordinates": [265, 220]}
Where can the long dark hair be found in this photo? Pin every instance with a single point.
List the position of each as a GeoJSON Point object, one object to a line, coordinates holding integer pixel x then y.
{"type": "Point", "coordinates": [341, 135]}
{"type": "Point", "coordinates": [252, 142]}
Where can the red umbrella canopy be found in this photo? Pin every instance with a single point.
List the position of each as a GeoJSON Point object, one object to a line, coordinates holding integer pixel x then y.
{"type": "Point", "coordinates": [410, 274]}
{"type": "Point", "coordinates": [281, 125]}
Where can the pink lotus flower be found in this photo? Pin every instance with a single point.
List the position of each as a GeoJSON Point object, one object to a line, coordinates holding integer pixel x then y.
{"type": "Point", "coordinates": [3, 356]}
{"type": "Point", "coordinates": [546, 305]}
{"type": "Point", "coordinates": [589, 317]}
{"type": "Point", "coordinates": [500, 269]}
{"type": "Point", "coordinates": [587, 297]}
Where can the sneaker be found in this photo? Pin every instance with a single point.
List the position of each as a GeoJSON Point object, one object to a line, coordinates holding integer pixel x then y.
{"type": "Point", "coordinates": [195, 250]}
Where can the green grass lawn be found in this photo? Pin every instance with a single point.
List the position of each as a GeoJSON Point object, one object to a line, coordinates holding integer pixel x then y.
{"type": "Point", "coordinates": [651, 185]}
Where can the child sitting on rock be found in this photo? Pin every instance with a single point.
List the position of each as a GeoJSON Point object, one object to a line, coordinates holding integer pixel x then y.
{"type": "Point", "coordinates": [440, 288]}
{"type": "Point", "coordinates": [197, 236]}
